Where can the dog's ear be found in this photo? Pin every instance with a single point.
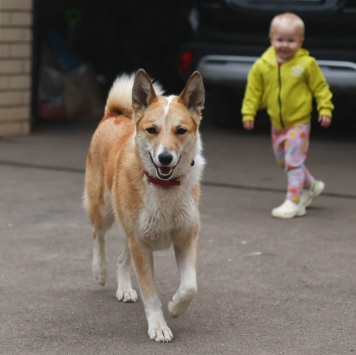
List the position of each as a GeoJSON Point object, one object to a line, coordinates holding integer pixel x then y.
{"type": "Point", "coordinates": [143, 93]}
{"type": "Point", "coordinates": [193, 95]}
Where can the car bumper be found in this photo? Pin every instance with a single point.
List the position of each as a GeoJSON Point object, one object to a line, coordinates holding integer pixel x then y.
{"type": "Point", "coordinates": [231, 70]}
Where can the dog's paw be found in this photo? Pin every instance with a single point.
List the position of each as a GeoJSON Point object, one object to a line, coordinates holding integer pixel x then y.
{"type": "Point", "coordinates": [161, 334]}
{"type": "Point", "coordinates": [100, 273]}
{"type": "Point", "coordinates": [127, 296]}
{"type": "Point", "coordinates": [175, 310]}
{"type": "Point", "coordinates": [180, 302]}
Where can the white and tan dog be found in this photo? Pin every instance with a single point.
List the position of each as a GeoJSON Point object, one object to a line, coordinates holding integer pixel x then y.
{"type": "Point", "coordinates": [143, 169]}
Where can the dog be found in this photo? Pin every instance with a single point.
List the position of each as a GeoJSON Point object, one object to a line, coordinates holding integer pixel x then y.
{"type": "Point", "coordinates": [143, 169]}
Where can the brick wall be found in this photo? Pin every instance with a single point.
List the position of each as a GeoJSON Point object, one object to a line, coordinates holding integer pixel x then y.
{"type": "Point", "coordinates": [15, 66]}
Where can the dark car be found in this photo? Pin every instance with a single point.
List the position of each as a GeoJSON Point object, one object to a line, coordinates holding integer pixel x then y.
{"type": "Point", "coordinates": [227, 36]}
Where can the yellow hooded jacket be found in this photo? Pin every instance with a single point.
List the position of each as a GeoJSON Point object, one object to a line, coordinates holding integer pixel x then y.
{"type": "Point", "coordinates": [286, 90]}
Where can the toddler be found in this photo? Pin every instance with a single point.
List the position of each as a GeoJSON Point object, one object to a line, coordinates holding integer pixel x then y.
{"type": "Point", "coordinates": [284, 81]}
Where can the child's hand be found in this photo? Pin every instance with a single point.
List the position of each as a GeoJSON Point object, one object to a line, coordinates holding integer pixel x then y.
{"type": "Point", "coordinates": [249, 125]}
{"type": "Point", "coordinates": [325, 121]}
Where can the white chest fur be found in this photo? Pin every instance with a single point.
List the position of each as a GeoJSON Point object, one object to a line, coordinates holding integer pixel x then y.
{"type": "Point", "coordinates": [170, 214]}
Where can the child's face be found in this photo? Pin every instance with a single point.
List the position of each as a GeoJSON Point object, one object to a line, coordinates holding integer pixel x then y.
{"type": "Point", "coordinates": [286, 42]}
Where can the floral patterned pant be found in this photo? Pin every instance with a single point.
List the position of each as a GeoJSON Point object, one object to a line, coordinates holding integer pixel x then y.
{"type": "Point", "coordinates": [290, 147]}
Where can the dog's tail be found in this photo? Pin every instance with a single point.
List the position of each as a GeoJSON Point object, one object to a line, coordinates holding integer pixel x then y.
{"type": "Point", "coordinates": [120, 96]}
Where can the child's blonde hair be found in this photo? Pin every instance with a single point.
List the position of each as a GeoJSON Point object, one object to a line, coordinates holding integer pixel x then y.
{"type": "Point", "coordinates": [288, 20]}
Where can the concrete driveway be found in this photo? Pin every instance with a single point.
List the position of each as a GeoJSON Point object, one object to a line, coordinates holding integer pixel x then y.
{"type": "Point", "coordinates": [266, 286]}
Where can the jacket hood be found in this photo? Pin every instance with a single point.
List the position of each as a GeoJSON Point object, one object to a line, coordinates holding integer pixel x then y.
{"type": "Point", "coordinates": [269, 55]}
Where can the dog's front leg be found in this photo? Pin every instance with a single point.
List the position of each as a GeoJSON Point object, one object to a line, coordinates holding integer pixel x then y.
{"type": "Point", "coordinates": [186, 260]}
{"type": "Point", "coordinates": [143, 261]}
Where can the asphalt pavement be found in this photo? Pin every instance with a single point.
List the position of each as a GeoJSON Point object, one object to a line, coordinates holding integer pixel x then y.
{"type": "Point", "coordinates": [265, 286]}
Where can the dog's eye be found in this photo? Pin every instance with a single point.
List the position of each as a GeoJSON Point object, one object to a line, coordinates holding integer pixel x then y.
{"type": "Point", "coordinates": [181, 131]}
{"type": "Point", "coordinates": [152, 130]}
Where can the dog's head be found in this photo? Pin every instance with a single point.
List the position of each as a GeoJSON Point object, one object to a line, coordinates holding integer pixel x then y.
{"type": "Point", "coordinates": [167, 128]}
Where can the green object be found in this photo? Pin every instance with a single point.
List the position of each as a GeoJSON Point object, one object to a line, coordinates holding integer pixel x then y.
{"type": "Point", "coordinates": [73, 17]}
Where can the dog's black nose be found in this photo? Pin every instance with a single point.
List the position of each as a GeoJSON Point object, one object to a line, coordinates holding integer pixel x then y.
{"type": "Point", "coordinates": [165, 158]}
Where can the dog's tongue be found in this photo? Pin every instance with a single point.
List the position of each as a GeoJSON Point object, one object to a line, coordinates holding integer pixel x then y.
{"type": "Point", "coordinates": [165, 171]}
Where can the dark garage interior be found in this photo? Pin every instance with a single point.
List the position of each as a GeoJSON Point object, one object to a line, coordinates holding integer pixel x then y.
{"type": "Point", "coordinates": [81, 46]}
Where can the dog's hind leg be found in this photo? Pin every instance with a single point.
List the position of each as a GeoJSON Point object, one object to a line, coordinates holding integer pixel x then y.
{"type": "Point", "coordinates": [186, 260]}
{"type": "Point", "coordinates": [101, 217]}
{"type": "Point", "coordinates": [125, 292]}
{"type": "Point", "coordinates": [99, 264]}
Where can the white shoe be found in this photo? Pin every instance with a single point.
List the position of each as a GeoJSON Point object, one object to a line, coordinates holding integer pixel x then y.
{"type": "Point", "coordinates": [309, 195]}
{"type": "Point", "coordinates": [288, 209]}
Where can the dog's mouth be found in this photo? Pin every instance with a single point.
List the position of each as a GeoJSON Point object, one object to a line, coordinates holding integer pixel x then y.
{"type": "Point", "coordinates": [164, 172]}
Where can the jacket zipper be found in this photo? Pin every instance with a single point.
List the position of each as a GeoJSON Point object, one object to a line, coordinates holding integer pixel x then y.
{"type": "Point", "coordinates": [279, 96]}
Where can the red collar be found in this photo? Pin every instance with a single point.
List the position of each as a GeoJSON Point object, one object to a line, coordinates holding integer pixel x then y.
{"type": "Point", "coordinates": [165, 183]}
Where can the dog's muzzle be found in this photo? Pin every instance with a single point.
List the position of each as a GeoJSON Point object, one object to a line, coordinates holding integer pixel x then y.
{"type": "Point", "coordinates": [164, 172]}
